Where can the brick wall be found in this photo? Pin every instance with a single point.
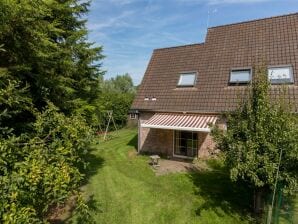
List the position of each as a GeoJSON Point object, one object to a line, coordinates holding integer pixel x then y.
{"type": "Point", "coordinates": [154, 141]}
{"type": "Point", "coordinates": [132, 123]}
{"type": "Point", "coordinates": [160, 141]}
{"type": "Point", "coordinates": [206, 143]}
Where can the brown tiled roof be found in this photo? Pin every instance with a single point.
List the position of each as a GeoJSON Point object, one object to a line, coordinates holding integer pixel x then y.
{"type": "Point", "coordinates": [273, 41]}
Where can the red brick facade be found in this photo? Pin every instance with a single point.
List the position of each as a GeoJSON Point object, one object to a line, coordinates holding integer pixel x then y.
{"type": "Point", "coordinates": [161, 141]}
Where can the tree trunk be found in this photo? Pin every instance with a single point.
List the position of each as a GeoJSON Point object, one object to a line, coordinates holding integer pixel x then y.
{"type": "Point", "coordinates": [258, 201]}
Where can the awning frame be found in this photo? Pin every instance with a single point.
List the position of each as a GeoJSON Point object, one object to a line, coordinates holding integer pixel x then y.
{"type": "Point", "coordinates": [174, 127]}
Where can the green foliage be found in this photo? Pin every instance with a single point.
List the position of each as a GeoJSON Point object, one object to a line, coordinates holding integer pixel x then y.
{"type": "Point", "coordinates": [14, 102]}
{"type": "Point", "coordinates": [117, 95]}
{"type": "Point", "coordinates": [43, 168]}
{"type": "Point", "coordinates": [46, 49]}
{"type": "Point", "coordinates": [120, 84]}
{"type": "Point", "coordinates": [49, 81]}
{"type": "Point", "coordinates": [82, 211]}
{"type": "Point", "coordinates": [256, 133]}
{"type": "Point", "coordinates": [50, 94]}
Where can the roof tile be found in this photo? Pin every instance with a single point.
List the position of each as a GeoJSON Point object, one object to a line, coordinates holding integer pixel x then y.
{"type": "Point", "coordinates": [273, 40]}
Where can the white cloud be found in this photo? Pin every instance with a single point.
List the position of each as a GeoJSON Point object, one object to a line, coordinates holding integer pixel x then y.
{"type": "Point", "coordinates": [116, 21]}
{"type": "Point", "coordinates": [123, 2]}
{"type": "Point", "coordinates": [136, 68]}
{"type": "Point", "coordinates": [118, 2]}
{"type": "Point", "coordinates": [218, 2]}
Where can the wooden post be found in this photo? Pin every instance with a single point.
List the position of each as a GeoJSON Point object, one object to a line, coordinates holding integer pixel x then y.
{"type": "Point", "coordinates": [107, 128]}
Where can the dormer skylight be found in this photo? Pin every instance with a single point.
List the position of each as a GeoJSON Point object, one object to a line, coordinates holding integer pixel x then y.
{"type": "Point", "coordinates": [240, 76]}
{"type": "Point", "coordinates": [280, 75]}
{"type": "Point", "coordinates": [187, 79]}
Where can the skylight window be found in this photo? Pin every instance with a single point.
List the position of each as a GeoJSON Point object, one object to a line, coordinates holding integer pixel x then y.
{"type": "Point", "coordinates": [280, 75]}
{"type": "Point", "coordinates": [187, 79]}
{"type": "Point", "coordinates": [240, 76]}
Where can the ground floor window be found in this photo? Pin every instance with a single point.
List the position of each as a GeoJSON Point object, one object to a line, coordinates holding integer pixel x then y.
{"type": "Point", "coordinates": [133, 116]}
{"type": "Point", "coordinates": [186, 143]}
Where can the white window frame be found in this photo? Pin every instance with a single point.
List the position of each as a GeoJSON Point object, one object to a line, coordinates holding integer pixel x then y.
{"type": "Point", "coordinates": [133, 116]}
{"type": "Point", "coordinates": [290, 67]}
{"type": "Point", "coordinates": [187, 73]}
{"type": "Point", "coordinates": [240, 69]}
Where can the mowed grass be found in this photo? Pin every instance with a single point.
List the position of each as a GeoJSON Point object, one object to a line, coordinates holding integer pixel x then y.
{"type": "Point", "coordinates": [288, 213]}
{"type": "Point", "coordinates": [124, 189]}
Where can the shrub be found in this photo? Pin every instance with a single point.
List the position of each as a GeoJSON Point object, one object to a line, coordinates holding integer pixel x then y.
{"type": "Point", "coordinates": [41, 169]}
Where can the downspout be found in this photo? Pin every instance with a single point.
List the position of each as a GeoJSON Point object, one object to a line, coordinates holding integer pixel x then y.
{"type": "Point", "coordinates": [139, 133]}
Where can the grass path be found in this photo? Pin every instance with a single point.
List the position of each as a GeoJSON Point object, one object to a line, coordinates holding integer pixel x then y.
{"type": "Point", "coordinates": [125, 190]}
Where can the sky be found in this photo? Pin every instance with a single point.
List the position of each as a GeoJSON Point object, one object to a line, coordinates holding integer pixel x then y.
{"type": "Point", "coordinates": [129, 30]}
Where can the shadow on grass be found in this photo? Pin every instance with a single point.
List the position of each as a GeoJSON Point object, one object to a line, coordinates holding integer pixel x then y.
{"type": "Point", "coordinates": [284, 209]}
{"type": "Point", "coordinates": [93, 205]}
{"type": "Point", "coordinates": [221, 194]}
{"type": "Point", "coordinates": [94, 163]}
{"type": "Point", "coordinates": [134, 142]}
{"type": "Point", "coordinates": [85, 215]}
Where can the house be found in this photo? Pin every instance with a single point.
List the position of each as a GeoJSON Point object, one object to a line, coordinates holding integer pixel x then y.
{"type": "Point", "coordinates": [185, 88]}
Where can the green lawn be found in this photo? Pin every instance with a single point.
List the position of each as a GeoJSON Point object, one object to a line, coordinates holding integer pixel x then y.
{"type": "Point", "coordinates": [124, 189]}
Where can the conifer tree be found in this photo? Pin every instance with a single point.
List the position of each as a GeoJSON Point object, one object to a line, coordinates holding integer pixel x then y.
{"type": "Point", "coordinates": [46, 48]}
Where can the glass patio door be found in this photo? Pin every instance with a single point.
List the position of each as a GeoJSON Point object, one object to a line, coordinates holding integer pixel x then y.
{"type": "Point", "coordinates": [186, 143]}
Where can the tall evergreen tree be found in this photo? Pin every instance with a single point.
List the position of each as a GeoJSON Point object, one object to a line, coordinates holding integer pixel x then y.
{"type": "Point", "coordinates": [46, 48]}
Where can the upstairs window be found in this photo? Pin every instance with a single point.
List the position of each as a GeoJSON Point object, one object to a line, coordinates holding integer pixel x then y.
{"type": "Point", "coordinates": [240, 76]}
{"type": "Point", "coordinates": [187, 79]}
{"type": "Point", "coordinates": [280, 75]}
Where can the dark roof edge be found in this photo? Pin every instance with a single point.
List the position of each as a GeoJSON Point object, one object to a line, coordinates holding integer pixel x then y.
{"type": "Point", "coordinates": [180, 46]}
{"type": "Point", "coordinates": [186, 112]}
{"type": "Point", "coordinates": [179, 111]}
{"type": "Point", "coordinates": [254, 20]}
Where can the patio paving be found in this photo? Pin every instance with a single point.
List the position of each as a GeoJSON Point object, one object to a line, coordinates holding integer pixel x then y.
{"type": "Point", "coordinates": [167, 166]}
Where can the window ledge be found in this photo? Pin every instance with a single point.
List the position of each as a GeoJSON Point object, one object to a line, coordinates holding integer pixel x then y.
{"type": "Point", "coordinates": [236, 86]}
{"type": "Point", "coordinates": [191, 88]}
{"type": "Point", "coordinates": [273, 86]}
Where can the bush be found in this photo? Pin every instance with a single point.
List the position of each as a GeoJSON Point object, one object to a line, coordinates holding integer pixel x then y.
{"type": "Point", "coordinates": [41, 169]}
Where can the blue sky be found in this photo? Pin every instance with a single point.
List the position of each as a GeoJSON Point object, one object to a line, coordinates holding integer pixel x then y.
{"type": "Point", "coordinates": [129, 30]}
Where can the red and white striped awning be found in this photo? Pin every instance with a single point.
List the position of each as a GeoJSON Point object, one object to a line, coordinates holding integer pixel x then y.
{"type": "Point", "coordinates": [186, 122]}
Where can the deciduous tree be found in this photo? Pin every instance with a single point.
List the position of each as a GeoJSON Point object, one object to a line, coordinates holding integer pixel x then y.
{"type": "Point", "coordinates": [260, 131]}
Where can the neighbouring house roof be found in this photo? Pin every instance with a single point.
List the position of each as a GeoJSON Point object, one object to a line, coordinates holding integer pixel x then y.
{"type": "Point", "coordinates": [273, 41]}
{"type": "Point", "coordinates": [178, 121]}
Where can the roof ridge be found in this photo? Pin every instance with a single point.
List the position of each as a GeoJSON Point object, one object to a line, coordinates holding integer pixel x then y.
{"type": "Point", "coordinates": [186, 45]}
{"type": "Point", "coordinates": [255, 20]}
